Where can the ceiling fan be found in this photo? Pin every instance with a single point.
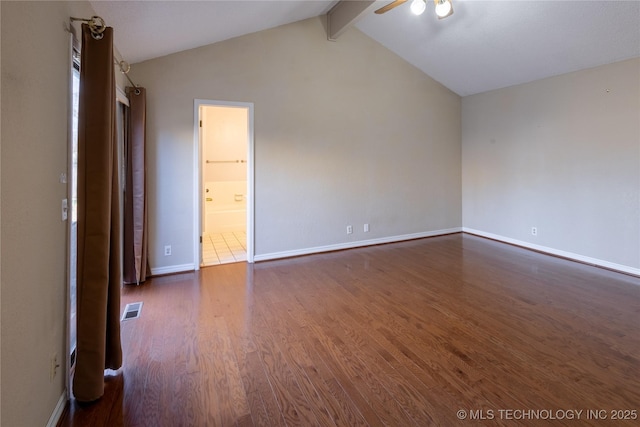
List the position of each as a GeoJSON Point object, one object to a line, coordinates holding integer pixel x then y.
{"type": "Point", "coordinates": [444, 8]}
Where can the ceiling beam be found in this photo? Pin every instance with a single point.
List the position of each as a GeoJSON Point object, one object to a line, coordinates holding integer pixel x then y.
{"type": "Point", "coordinates": [344, 14]}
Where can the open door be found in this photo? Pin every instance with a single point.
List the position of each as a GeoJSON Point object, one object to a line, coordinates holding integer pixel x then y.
{"type": "Point", "coordinates": [224, 182]}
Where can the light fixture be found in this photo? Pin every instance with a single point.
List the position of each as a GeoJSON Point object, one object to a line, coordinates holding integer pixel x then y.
{"type": "Point", "coordinates": [444, 8]}
{"type": "Point", "coordinates": [418, 6]}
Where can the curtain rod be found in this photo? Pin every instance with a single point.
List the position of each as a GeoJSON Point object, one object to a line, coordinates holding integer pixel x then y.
{"type": "Point", "coordinates": [97, 26]}
{"type": "Point", "coordinates": [124, 68]}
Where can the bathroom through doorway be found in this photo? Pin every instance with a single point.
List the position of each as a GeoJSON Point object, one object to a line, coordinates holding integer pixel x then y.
{"type": "Point", "coordinates": [225, 135]}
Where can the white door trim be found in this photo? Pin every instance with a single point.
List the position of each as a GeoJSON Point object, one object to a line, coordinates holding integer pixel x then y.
{"type": "Point", "coordinates": [197, 176]}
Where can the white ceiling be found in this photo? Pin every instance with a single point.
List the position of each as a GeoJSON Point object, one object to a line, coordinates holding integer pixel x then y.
{"type": "Point", "coordinates": [150, 29]}
{"type": "Point", "coordinates": [484, 45]}
{"type": "Point", "coordinates": [487, 45]}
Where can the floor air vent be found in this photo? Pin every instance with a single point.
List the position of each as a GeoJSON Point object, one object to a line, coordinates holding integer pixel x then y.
{"type": "Point", "coordinates": [132, 311]}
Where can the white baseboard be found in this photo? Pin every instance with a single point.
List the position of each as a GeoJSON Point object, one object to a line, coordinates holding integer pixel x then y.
{"type": "Point", "coordinates": [351, 245]}
{"type": "Point", "coordinates": [58, 411]}
{"type": "Point", "coordinates": [391, 239]}
{"type": "Point", "coordinates": [576, 257]}
{"type": "Point", "coordinates": [159, 271]}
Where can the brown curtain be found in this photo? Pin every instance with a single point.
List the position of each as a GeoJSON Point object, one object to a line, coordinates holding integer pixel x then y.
{"type": "Point", "coordinates": [99, 276]}
{"type": "Point", "coordinates": [134, 264]}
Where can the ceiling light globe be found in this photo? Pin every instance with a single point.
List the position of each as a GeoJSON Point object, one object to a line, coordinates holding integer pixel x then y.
{"type": "Point", "coordinates": [443, 8]}
{"type": "Point", "coordinates": [418, 7]}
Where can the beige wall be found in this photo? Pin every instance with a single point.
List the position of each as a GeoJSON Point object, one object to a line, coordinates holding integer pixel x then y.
{"type": "Point", "coordinates": [345, 133]}
{"type": "Point", "coordinates": [560, 154]}
{"type": "Point", "coordinates": [35, 94]}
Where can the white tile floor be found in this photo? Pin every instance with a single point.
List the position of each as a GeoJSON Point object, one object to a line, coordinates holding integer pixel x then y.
{"type": "Point", "coordinates": [223, 248]}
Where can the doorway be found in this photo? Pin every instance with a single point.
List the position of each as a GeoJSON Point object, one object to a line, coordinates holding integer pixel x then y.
{"type": "Point", "coordinates": [225, 182]}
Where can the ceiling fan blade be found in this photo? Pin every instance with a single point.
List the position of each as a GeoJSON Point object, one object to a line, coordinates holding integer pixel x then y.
{"type": "Point", "coordinates": [390, 6]}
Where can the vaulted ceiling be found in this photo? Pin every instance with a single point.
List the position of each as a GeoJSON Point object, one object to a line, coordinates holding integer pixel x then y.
{"type": "Point", "coordinates": [484, 45]}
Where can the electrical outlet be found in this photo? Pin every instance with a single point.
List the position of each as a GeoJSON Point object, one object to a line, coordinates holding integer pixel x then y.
{"type": "Point", "coordinates": [53, 367]}
{"type": "Point", "coordinates": [366, 228]}
{"type": "Point", "coordinates": [349, 229]}
{"type": "Point", "coordinates": [534, 231]}
{"type": "Point", "coordinates": [167, 250]}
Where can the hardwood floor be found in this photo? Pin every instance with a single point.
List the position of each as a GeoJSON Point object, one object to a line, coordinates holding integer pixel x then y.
{"type": "Point", "coordinates": [401, 334]}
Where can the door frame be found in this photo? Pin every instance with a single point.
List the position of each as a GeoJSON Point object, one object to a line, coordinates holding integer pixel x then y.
{"type": "Point", "coordinates": [197, 175]}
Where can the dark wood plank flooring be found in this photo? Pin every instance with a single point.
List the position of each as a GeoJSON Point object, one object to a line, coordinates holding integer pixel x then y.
{"type": "Point", "coordinates": [404, 334]}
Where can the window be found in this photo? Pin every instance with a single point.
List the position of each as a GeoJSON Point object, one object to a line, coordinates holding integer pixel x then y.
{"type": "Point", "coordinates": [73, 225]}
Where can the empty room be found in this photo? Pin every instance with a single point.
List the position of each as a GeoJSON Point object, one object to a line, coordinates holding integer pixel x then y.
{"type": "Point", "coordinates": [401, 213]}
